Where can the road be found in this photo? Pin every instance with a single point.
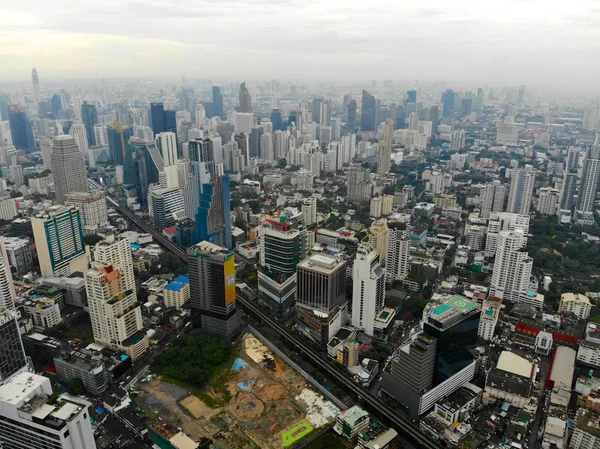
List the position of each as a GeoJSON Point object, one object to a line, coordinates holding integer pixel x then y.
{"type": "Point", "coordinates": [404, 426]}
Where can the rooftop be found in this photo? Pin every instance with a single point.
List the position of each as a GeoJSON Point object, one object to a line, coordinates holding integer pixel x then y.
{"type": "Point", "coordinates": [515, 364]}
{"type": "Point", "coordinates": [354, 414]}
{"type": "Point", "coordinates": [21, 387]}
{"type": "Point", "coordinates": [574, 297]}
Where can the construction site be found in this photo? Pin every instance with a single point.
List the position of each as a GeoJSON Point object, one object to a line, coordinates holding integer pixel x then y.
{"type": "Point", "coordinates": [257, 401]}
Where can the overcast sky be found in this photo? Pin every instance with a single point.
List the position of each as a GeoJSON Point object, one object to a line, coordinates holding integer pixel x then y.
{"type": "Point", "coordinates": [545, 42]}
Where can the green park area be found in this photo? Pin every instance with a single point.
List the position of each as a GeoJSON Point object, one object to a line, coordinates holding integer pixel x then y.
{"type": "Point", "coordinates": [296, 433]}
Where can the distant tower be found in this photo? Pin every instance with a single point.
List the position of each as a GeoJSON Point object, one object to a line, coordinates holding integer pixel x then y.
{"type": "Point", "coordinates": [521, 190]}
{"type": "Point", "coordinates": [589, 185]}
{"type": "Point", "coordinates": [68, 167]}
{"type": "Point", "coordinates": [384, 163]}
{"type": "Point", "coordinates": [36, 85]}
{"type": "Point", "coordinates": [245, 99]}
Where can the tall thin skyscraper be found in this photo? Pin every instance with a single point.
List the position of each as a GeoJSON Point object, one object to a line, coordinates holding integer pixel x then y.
{"type": "Point", "coordinates": [245, 99]}
{"type": "Point", "coordinates": [36, 85]}
{"type": "Point", "coordinates": [396, 261]}
{"type": "Point", "coordinates": [212, 290]}
{"type": "Point", "coordinates": [118, 138]}
{"type": "Point", "coordinates": [368, 112]}
{"type": "Point", "coordinates": [284, 244]}
{"type": "Point", "coordinates": [589, 185]}
{"type": "Point", "coordinates": [157, 118]}
{"type": "Point", "coordinates": [68, 167]}
{"type": "Point", "coordinates": [20, 129]}
{"type": "Point", "coordinates": [512, 267]}
{"type": "Point", "coordinates": [368, 295]}
{"type": "Point", "coordinates": [217, 104]}
{"type": "Point", "coordinates": [492, 198]}
{"type": "Point", "coordinates": [411, 96]}
{"type": "Point", "coordinates": [89, 116]}
{"type": "Point", "coordinates": [351, 122]}
{"type": "Point", "coordinates": [448, 103]}
{"type": "Point", "coordinates": [78, 132]}
{"type": "Point", "coordinates": [384, 161]}
{"type": "Point", "coordinates": [521, 190]}
{"type": "Point", "coordinates": [7, 288]}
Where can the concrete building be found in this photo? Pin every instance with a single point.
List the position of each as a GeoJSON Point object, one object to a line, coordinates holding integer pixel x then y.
{"type": "Point", "coordinates": [167, 206]}
{"type": "Point", "coordinates": [59, 241]}
{"type": "Point", "coordinates": [492, 198]}
{"type": "Point", "coordinates": [321, 297]}
{"type": "Point", "coordinates": [521, 190]}
{"type": "Point", "coordinates": [398, 249]}
{"type": "Point", "coordinates": [586, 434]}
{"type": "Point", "coordinates": [548, 201]}
{"type": "Point", "coordinates": [368, 294]}
{"type": "Point", "coordinates": [490, 312]}
{"type": "Point", "coordinates": [588, 352]}
{"type": "Point", "coordinates": [212, 288]}
{"type": "Point", "coordinates": [73, 286]}
{"type": "Point", "coordinates": [8, 208]}
{"type": "Point", "coordinates": [309, 210]}
{"type": "Point", "coordinates": [114, 311]}
{"type": "Point", "coordinates": [83, 365]}
{"type": "Point", "coordinates": [511, 380]}
{"type": "Point", "coordinates": [177, 292]}
{"type": "Point", "coordinates": [11, 346]}
{"type": "Point", "coordinates": [29, 421]}
{"type": "Point", "coordinates": [352, 422]}
{"type": "Point", "coordinates": [378, 233]}
{"type": "Point", "coordinates": [92, 206]}
{"type": "Point", "coordinates": [43, 312]}
{"type": "Point", "coordinates": [512, 267]}
{"type": "Point", "coordinates": [589, 185]}
{"type": "Point", "coordinates": [575, 303]}
{"type": "Point", "coordinates": [384, 159]}
{"type": "Point", "coordinates": [504, 222]}
{"type": "Point", "coordinates": [68, 167]}
{"type": "Point", "coordinates": [7, 288]}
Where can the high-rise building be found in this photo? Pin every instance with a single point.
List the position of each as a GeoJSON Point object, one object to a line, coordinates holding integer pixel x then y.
{"type": "Point", "coordinates": [245, 99]}
{"type": "Point", "coordinates": [114, 311]}
{"type": "Point", "coordinates": [167, 206]}
{"type": "Point", "coordinates": [321, 304]}
{"type": "Point", "coordinates": [36, 85]}
{"type": "Point", "coordinates": [589, 185]}
{"type": "Point", "coordinates": [368, 283]}
{"type": "Point", "coordinates": [56, 106]}
{"type": "Point", "coordinates": [118, 139]}
{"type": "Point", "coordinates": [512, 267]}
{"type": "Point", "coordinates": [92, 206]}
{"type": "Point", "coordinates": [217, 104]}
{"type": "Point", "coordinates": [212, 289]}
{"type": "Point", "coordinates": [504, 221]}
{"type": "Point", "coordinates": [548, 201]}
{"type": "Point", "coordinates": [89, 117]}
{"type": "Point", "coordinates": [283, 244]}
{"type": "Point", "coordinates": [276, 119]}
{"type": "Point", "coordinates": [448, 98]}
{"type": "Point", "coordinates": [116, 250]}
{"type": "Point", "coordinates": [68, 167]}
{"type": "Point", "coordinates": [157, 118]}
{"type": "Point", "coordinates": [438, 361]}
{"type": "Point", "coordinates": [492, 198]}
{"type": "Point", "coordinates": [18, 255]}
{"type": "Point", "coordinates": [7, 288]}
{"type": "Point", "coordinates": [384, 160]}
{"type": "Point", "coordinates": [520, 192]}
{"type": "Point", "coordinates": [20, 129]}
{"type": "Point", "coordinates": [11, 346]}
{"type": "Point", "coordinates": [490, 313]}
{"type": "Point", "coordinates": [78, 132]}
{"type": "Point", "coordinates": [368, 112]}
{"type": "Point", "coordinates": [567, 194]}
{"type": "Point", "coordinates": [378, 233]}
{"type": "Point", "coordinates": [59, 241]}
{"type": "Point", "coordinates": [411, 96]}
{"type": "Point", "coordinates": [396, 261]}
{"type": "Point", "coordinates": [30, 421]}
{"type": "Point", "coordinates": [351, 121]}
{"type": "Point", "coordinates": [166, 142]}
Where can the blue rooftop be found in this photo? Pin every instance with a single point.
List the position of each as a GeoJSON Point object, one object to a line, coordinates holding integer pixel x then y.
{"type": "Point", "coordinates": [183, 279]}
{"type": "Point", "coordinates": [178, 283]}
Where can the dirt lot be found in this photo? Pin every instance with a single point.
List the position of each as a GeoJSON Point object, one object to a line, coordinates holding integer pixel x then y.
{"type": "Point", "coordinates": [258, 397]}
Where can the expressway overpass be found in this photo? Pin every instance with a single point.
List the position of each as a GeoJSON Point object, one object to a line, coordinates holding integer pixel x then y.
{"type": "Point", "coordinates": [405, 427]}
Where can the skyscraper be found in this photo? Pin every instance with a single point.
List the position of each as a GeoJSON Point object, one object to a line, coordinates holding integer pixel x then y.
{"type": "Point", "coordinates": [589, 185]}
{"type": "Point", "coordinates": [212, 290]}
{"type": "Point", "coordinates": [492, 198]}
{"type": "Point", "coordinates": [283, 244]}
{"type": "Point", "coordinates": [217, 104]}
{"type": "Point", "coordinates": [398, 249]}
{"type": "Point", "coordinates": [55, 105]}
{"type": "Point", "coordinates": [68, 167]}
{"type": "Point", "coordinates": [321, 304]}
{"type": "Point", "coordinates": [89, 116]}
{"type": "Point", "coordinates": [368, 294]}
{"type": "Point", "coordinates": [438, 361]}
{"type": "Point", "coordinates": [20, 129]}
{"type": "Point", "coordinates": [157, 118]}
{"type": "Point", "coordinates": [78, 132]}
{"type": "Point", "coordinates": [11, 346]}
{"type": "Point", "coordinates": [31, 421]}
{"type": "Point", "coordinates": [118, 138]}
{"type": "Point", "coordinates": [245, 99]}
{"type": "Point", "coordinates": [276, 119]}
{"type": "Point", "coordinates": [384, 160]}
{"type": "Point", "coordinates": [448, 103]}
{"type": "Point", "coordinates": [351, 122]}
{"type": "Point", "coordinates": [59, 241]}
{"type": "Point", "coordinates": [521, 190]}
{"type": "Point", "coordinates": [368, 112]}
{"type": "Point", "coordinates": [7, 288]}
{"type": "Point", "coordinates": [512, 267]}
{"type": "Point", "coordinates": [567, 194]}
{"type": "Point", "coordinates": [411, 96]}
{"type": "Point", "coordinates": [114, 311]}
{"type": "Point", "coordinates": [36, 85]}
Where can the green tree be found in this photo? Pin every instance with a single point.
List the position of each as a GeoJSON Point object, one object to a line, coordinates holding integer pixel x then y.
{"type": "Point", "coordinates": [76, 386]}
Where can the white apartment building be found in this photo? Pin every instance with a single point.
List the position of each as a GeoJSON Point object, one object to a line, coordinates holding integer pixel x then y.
{"type": "Point", "coordinates": [92, 206]}
{"type": "Point", "coordinates": [490, 312]}
{"type": "Point", "coordinates": [521, 190]}
{"type": "Point", "coordinates": [396, 260]}
{"type": "Point", "coordinates": [512, 267]}
{"type": "Point", "coordinates": [575, 303]}
{"type": "Point", "coordinates": [548, 201]}
{"type": "Point", "coordinates": [368, 293]}
{"type": "Point", "coordinates": [8, 208]}
{"type": "Point", "coordinates": [28, 421]}
{"type": "Point", "coordinates": [504, 221]}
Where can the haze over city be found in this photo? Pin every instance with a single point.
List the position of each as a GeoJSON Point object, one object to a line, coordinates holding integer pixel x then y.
{"type": "Point", "coordinates": [552, 45]}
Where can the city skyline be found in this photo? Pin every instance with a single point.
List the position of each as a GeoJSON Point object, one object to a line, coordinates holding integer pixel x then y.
{"type": "Point", "coordinates": [471, 42]}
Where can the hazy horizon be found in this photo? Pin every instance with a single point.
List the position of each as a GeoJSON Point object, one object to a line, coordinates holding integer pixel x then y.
{"type": "Point", "coordinates": [547, 45]}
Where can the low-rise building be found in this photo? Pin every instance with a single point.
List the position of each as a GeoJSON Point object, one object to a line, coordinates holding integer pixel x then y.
{"type": "Point", "coordinates": [43, 312]}
{"type": "Point", "coordinates": [575, 303]}
{"type": "Point", "coordinates": [511, 380]}
{"type": "Point", "coordinates": [588, 352]}
{"type": "Point", "coordinates": [177, 292]}
{"type": "Point", "coordinates": [83, 365]}
{"type": "Point", "coordinates": [352, 422]}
